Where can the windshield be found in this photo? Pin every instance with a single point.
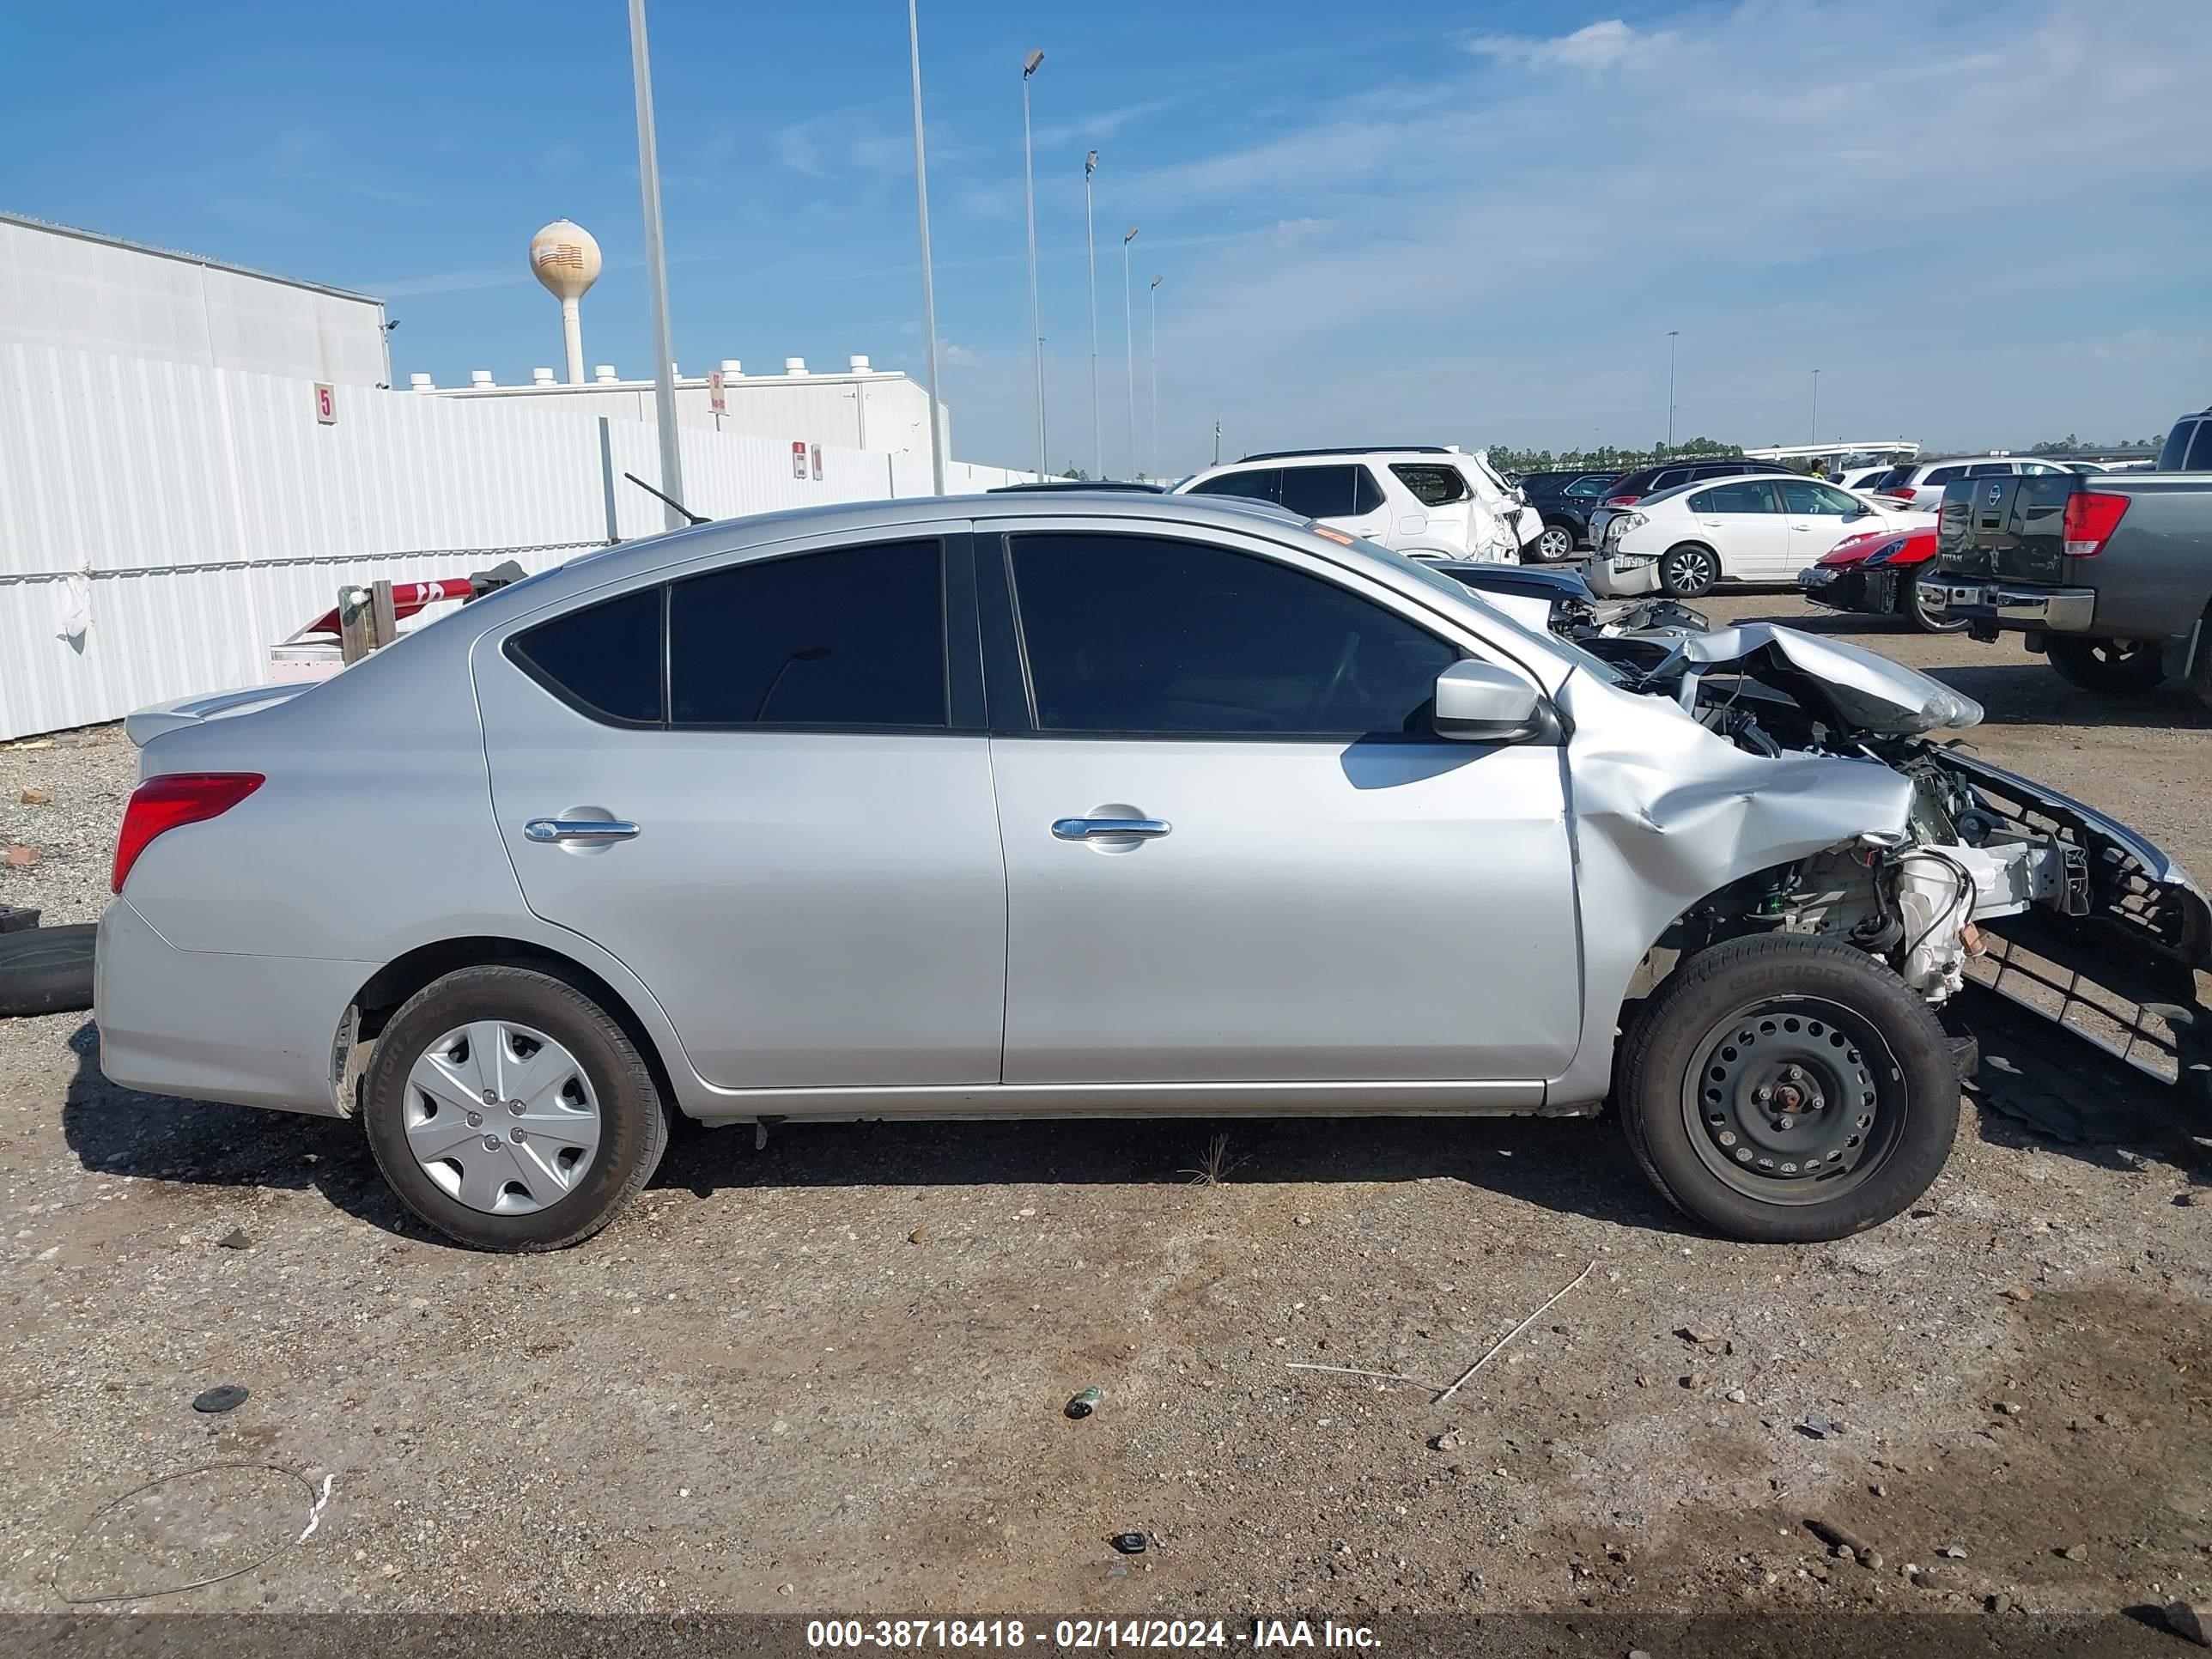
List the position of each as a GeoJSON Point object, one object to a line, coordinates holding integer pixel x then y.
{"type": "Point", "coordinates": [1442, 583]}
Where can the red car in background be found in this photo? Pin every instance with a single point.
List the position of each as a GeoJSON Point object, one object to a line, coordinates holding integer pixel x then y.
{"type": "Point", "coordinates": [1879, 572]}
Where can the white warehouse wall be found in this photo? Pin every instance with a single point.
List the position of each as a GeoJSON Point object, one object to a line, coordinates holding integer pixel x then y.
{"type": "Point", "coordinates": [61, 287]}
{"type": "Point", "coordinates": [194, 515]}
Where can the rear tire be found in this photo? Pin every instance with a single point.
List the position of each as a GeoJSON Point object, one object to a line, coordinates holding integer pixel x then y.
{"type": "Point", "coordinates": [1861, 1074]}
{"type": "Point", "coordinates": [1913, 608]}
{"type": "Point", "coordinates": [1554, 544]}
{"type": "Point", "coordinates": [1689, 570]}
{"type": "Point", "coordinates": [48, 970]}
{"type": "Point", "coordinates": [2111, 668]}
{"type": "Point", "coordinates": [491, 1180]}
{"type": "Point", "coordinates": [2200, 672]}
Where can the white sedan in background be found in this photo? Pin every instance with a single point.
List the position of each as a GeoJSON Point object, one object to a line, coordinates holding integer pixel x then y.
{"type": "Point", "coordinates": [1762, 527]}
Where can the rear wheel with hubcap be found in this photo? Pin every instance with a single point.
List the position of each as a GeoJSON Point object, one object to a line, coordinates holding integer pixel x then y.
{"type": "Point", "coordinates": [1555, 544]}
{"type": "Point", "coordinates": [1689, 572]}
{"type": "Point", "coordinates": [2110, 667]}
{"type": "Point", "coordinates": [1786, 1089]}
{"type": "Point", "coordinates": [510, 1111]}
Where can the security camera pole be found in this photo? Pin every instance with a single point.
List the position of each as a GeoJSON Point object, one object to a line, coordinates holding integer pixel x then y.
{"type": "Point", "coordinates": [656, 272]}
{"type": "Point", "coordinates": [1029, 65]}
{"type": "Point", "coordinates": [1090, 249]}
{"type": "Point", "coordinates": [1129, 348]}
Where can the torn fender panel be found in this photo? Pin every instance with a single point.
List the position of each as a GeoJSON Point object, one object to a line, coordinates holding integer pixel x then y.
{"type": "Point", "coordinates": [1665, 813]}
{"type": "Point", "coordinates": [1855, 688]}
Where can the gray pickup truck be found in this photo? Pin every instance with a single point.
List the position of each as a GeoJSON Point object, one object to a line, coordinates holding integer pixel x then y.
{"type": "Point", "coordinates": [2109, 575]}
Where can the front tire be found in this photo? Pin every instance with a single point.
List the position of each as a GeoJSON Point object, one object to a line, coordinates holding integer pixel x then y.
{"type": "Point", "coordinates": [2111, 668]}
{"type": "Point", "coordinates": [510, 1111]}
{"type": "Point", "coordinates": [1689, 571]}
{"type": "Point", "coordinates": [1912, 606]}
{"type": "Point", "coordinates": [1786, 1089]}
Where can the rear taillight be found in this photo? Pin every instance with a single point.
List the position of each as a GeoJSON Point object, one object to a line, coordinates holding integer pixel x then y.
{"type": "Point", "coordinates": [1622, 501]}
{"type": "Point", "coordinates": [162, 803]}
{"type": "Point", "coordinates": [2091, 517]}
{"type": "Point", "coordinates": [1901, 493]}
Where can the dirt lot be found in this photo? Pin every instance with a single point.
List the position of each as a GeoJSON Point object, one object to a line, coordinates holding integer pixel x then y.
{"type": "Point", "coordinates": [829, 1376]}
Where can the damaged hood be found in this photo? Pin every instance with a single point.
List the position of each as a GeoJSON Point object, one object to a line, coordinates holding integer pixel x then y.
{"type": "Point", "coordinates": [1854, 688]}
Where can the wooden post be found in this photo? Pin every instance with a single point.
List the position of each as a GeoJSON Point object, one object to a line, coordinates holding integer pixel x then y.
{"type": "Point", "coordinates": [366, 621]}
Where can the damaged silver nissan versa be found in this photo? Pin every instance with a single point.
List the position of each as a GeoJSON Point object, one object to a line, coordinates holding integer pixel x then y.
{"type": "Point", "coordinates": [1105, 805]}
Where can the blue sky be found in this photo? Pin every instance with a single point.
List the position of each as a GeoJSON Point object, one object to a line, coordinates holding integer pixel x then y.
{"type": "Point", "coordinates": [1984, 223]}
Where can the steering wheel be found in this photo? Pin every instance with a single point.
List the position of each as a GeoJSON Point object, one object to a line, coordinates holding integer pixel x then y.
{"type": "Point", "coordinates": [1336, 679]}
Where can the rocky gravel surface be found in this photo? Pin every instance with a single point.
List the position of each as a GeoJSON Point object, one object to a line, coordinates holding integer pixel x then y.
{"type": "Point", "coordinates": [830, 1375]}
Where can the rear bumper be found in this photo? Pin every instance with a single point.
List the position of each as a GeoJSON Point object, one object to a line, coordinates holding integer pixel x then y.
{"type": "Point", "coordinates": [210, 1025]}
{"type": "Point", "coordinates": [1622, 575]}
{"type": "Point", "coordinates": [1849, 587]}
{"type": "Point", "coordinates": [2006, 604]}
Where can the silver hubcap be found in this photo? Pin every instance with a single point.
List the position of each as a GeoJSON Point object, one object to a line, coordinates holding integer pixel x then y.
{"type": "Point", "coordinates": [1691, 570]}
{"type": "Point", "coordinates": [1555, 544]}
{"type": "Point", "coordinates": [501, 1117]}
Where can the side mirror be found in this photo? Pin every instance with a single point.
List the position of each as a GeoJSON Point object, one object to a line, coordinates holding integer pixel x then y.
{"type": "Point", "coordinates": [1481, 702]}
{"type": "Point", "coordinates": [1858, 512]}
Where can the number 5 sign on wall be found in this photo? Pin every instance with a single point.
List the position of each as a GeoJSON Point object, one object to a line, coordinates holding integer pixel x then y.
{"type": "Point", "coordinates": [327, 404]}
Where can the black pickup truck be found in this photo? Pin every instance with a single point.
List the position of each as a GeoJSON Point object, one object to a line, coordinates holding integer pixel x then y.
{"type": "Point", "coordinates": [2109, 575]}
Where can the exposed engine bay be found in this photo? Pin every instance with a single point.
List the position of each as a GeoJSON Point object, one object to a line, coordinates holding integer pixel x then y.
{"type": "Point", "coordinates": [1985, 852]}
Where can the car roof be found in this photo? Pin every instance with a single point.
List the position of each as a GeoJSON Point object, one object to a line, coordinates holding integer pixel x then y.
{"type": "Point", "coordinates": [1355, 449]}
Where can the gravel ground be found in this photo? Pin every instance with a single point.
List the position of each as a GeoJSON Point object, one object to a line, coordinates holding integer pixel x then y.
{"type": "Point", "coordinates": [829, 1376]}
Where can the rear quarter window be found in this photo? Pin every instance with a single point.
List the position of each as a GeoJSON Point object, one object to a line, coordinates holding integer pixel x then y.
{"type": "Point", "coordinates": [603, 660]}
{"type": "Point", "coordinates": [1432, 485]}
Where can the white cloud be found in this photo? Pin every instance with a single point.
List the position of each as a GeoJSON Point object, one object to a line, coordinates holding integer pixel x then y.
{"type": "Point", "coordinates": [1592, 47]}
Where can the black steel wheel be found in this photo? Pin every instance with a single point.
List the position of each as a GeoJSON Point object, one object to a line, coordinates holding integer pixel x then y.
{"type": "Point", "coordinates": [1786, 1090]}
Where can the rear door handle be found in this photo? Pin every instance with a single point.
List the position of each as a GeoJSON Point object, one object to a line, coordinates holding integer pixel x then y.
{"type": "Point", "coordinates": [593, 829]}
{"type": "Point", "coordinates": [1098, 828]}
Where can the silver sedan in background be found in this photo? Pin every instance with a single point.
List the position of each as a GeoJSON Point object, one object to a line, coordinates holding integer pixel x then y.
{"type": "Point", "coordinates": [1048, 804]}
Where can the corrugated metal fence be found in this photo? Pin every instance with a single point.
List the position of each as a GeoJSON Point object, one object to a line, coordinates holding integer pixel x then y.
{"type": "Point", "coordinates": [198, 516]}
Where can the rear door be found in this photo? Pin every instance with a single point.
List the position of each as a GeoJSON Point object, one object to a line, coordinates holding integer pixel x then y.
{"type": "Point", "coordinates": [1342, 494]}
{"type": "Point", "coordinates": [1312, 887]}
{"type": "Point", "coordinates": [1742, 522]}
{"type": "Point", "coordinates": [804, 862]}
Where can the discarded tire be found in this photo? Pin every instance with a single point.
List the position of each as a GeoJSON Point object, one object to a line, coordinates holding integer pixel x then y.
{"type": "Point", "coordinates": [47, 970]}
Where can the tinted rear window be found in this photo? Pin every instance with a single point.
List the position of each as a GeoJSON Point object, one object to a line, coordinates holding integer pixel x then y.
{"type": "Point", "coordinates": [2175, 454]}
{"type": "Point", "coordinates": [855, 637]}
{"type": "Point", "coordinates": [1321, 492]}
{"type": "Point", "coordinates": [2200, 452]}
{"type": "Point", "coordinates": [1896, 478]}
{"type": "Point", "coordinates": [603, 660]}
{"type": "Point", "coordinates": [1943, 475]}
{"type": "Point", "coordinates": [1259, 484]}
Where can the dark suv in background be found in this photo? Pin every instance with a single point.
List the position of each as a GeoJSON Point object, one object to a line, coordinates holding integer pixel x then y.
{"type": "Point", "coordinates": [1565, 500]}
{"type": "Point", "coordinates": [1631, 488]}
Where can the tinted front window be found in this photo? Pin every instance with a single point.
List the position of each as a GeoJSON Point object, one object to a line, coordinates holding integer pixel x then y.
{"type": "Point", "coordinates": [1133, 633]}
{"type": "Point", "coordinates": [1260, 485]}
{"type": "Point", "coordinates": [603, 660]}
{"type": "Point", "coordinates": [1804, 495]}
{"type": "Point", "coordinates": [855, 637]}
{"type": "Point", "coordinates": [1321, 492]}
{"type": "Point", "coordinates": [1588, 489]}
{"type": "Point", "coordinates": [1434, 486]}
{"type": "Point", "coordinates": [1745, 496]}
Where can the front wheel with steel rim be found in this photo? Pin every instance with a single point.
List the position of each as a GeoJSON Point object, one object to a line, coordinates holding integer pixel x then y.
{"type": "Point", "coordinates": [1689, 572]}
{"type": "Point", "coordinates": [510, 1111]}
{"type": "Point", "coordinates": [1786, 1089]}
{"type": "Point", "coordinates": [1555, 544]}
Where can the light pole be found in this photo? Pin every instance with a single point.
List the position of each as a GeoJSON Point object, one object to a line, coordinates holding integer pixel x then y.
{"type": "Point", "coordinates": [1671, 334]}
{"type": "Point", "coordinates": [1091, 250]}
{"type": "Point", "coordinates": [656, 274]}
{"type": "Point", "coordinates": [1129, 347]}
{"type": "Point", "coordinates": [1816, 405]}
{"type": "Point", "coordinates": [1155, 343]}
{"type": "Point", "coordinates": [1036, 318]}
{"type": "Point", "coordinates": [928, 287]}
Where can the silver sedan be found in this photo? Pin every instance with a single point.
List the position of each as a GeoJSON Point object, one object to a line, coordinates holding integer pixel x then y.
{"type": "Point", "coordinates": [1032, 805]}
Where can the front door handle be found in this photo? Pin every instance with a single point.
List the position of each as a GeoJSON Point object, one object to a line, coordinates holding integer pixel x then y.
{"type": "Point", "coordinates": [586, 829]}
{"type": "Point", "coordinates": [1101, 829]}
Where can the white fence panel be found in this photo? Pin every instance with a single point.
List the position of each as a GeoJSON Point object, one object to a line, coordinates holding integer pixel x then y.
{"type": "Point", "coordinates": [199, 516]}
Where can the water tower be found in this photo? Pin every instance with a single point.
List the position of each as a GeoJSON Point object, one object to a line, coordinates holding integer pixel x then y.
{"type": "Point", "coordinates": [567, 260]}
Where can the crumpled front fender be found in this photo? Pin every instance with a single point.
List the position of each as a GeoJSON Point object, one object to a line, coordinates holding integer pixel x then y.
{"type": "Point", "coordinates": [1666, 813]}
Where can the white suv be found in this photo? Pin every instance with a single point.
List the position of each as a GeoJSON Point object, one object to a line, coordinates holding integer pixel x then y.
{"type": "Point", "coordinates": [1918, 486]}
{"type": "Point", "coordinates": [1433, 503]}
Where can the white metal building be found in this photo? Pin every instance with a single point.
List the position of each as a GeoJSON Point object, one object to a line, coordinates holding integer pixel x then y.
{"type": "Point", "coordinates": [76, 289]}
{"type": "Point", "coordinates": [858, 407]}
